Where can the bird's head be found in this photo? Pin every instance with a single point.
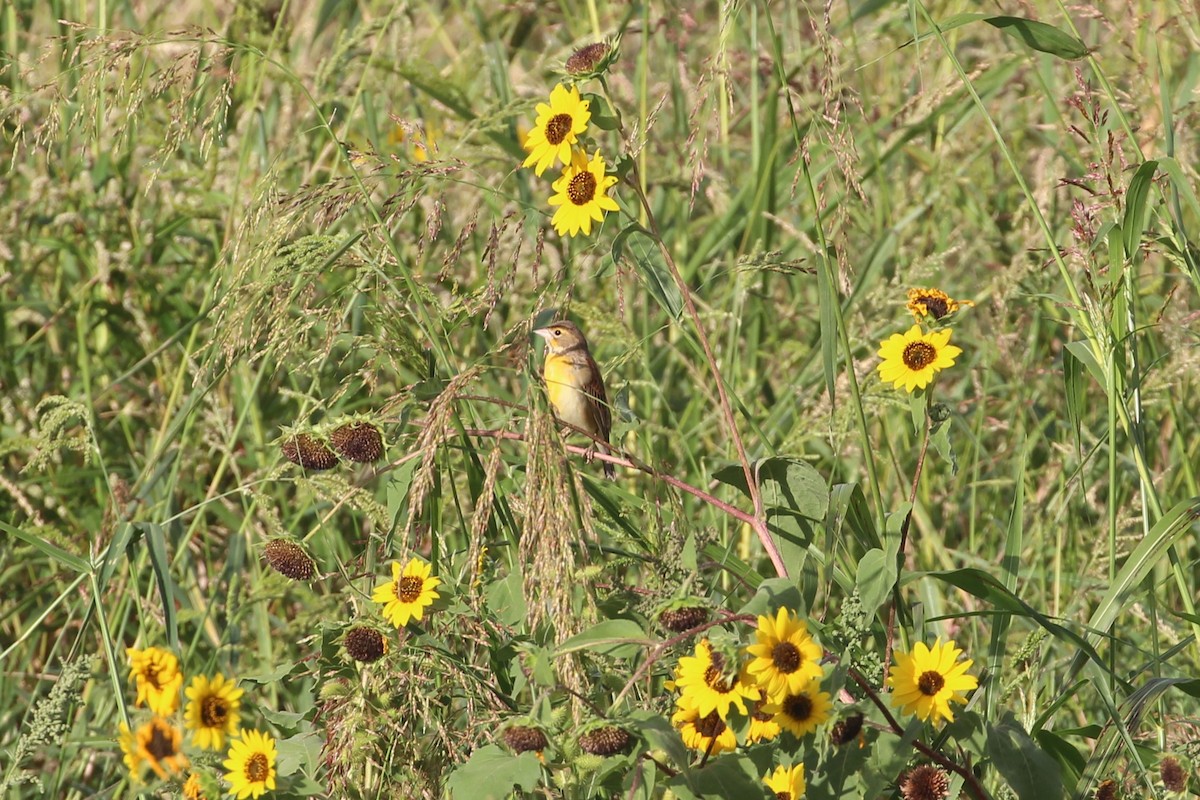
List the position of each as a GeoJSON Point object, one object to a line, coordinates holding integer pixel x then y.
{"type": "Point", "coordinates": [561, 336]}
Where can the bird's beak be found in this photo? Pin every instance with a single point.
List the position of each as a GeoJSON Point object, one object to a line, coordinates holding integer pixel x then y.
{"type": "Point", "coordinates": [543, 332]}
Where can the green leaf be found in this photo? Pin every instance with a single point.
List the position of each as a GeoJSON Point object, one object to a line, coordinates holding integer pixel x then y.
{"type": "Point", "coordinates": [299, 753]}
{"type": "Point", "coordinates": [603, 116]}
{"type": "Point", "coordinates": [772, 594]}
{"type": "Point", "coordinates": [659, 735]}
{"type": "Point", "coordinates": [156, 543]}
{"type": "Point", "coordinates": [55, 552]}
{"type": "Point", "coordinates": [491, 773]}
{"type": "Point", "coordinates": [1030, 772]}
{"type": "Point", "coordinates": [1040, 36]}
{"type": "Point", "coordinates": [874, 579]}
{"type": "Point", "coordinates": [651, 267]}
{"type": "Point", "coordinates": [848, 505]}
{"type": "Point", "coordinates": [1180, 182]}
{"type": "Point", "coordinates": [1133, 223]}
{"type": "Point", "coordinates": [506, 599]}
{"type": "Point", "coordinates": [1075, 393]}
{"type": "Point", "coordinates": [619, 638]}
{"type": "Point", "coordinates": [940, 439]}
{"type": "Point", "coordinates": [794, 497]}
{"type": "Point", "coordinates": [1084, 353]}
{"type": "Point", "coordinates": [1166, 532]}
{"type": "Point", "coordinates": [731, 775]}
{"type": "Point", "coordinates": [827, 297]}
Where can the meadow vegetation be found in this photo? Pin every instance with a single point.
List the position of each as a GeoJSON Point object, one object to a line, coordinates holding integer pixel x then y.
{"type": "Point", "coordinates": [285, 512]}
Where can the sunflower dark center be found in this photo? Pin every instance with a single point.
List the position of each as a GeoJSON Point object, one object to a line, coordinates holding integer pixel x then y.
{"type": "Point", "coordinates": [786, 657]}
{"type": "Point", "coordinates": [783, 796]}
{"type": "Point", "coordinates": [582, 188]}
{"type": "Point", "coordinates": [711, 726]}
{"type": "Point", "coordinates": [150, 673]}
{"type": "Point", "coordinates": [408, 588]}
{"type": "Point", "coordinates": [715, 679]}
{"type": "Point", "coordinates": [257, 768]}
{"type": "Point", "coordinates": [936, 306]}
{"type": "Point", "coordinates": [931, 682]}
{"type": "Point", "coordinates": [160, 745]}
{"type": "Point", "coordinates": [213, 712]}
{"type": "Point", "coordinates": [558, 127]}
{"type": "Point", "coordinates": [919, 355]}
{"type": "Point", "coordinates": [759, 714]}
{"type": "Point", "coordinates": [799, 707]}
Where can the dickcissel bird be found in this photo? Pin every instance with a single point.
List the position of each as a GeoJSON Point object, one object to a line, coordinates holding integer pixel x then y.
{"type": "Point", "coordinates": [574, 383]}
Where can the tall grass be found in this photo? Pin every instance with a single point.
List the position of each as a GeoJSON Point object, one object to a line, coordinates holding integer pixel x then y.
{"type": "Point", "coordinates": [226, 226]}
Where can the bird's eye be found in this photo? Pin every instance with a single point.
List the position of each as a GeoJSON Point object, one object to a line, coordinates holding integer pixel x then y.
{"type": "Point", "coordinates": [558, 331]}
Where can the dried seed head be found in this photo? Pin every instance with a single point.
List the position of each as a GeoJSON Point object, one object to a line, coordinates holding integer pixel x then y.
{"type": "Point", "coordinates": [1172, 774]}
{"type": "Point", "coordinates": [683, 619]}
{"type": "Point", "coordinates": [365, 644]}
{"type": "Point", "coordinates": [925, 783]}
{"type": "Point", "coordinates": [289, 559]}
{"type": "Point", "coordinates": [1107, 790]}
{"type": "Point", "coordinates": [358, 441]}
{"type": "Point", "coordinates": [846, 730]}
{"type": "Point", "coordinates": [606, 741]}
{"type": "Point", "coordinates": [310, 453]}
{"type": "Point", "coordinates": [523, 739]}
{"type": "Point", "coordinates": [587, 59]}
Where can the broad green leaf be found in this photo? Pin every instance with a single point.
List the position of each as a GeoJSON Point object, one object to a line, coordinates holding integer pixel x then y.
{"type": "Point", "coordinates": [875, 578]}
{"type": "Point", "coordinates": [651, 267]}
{"type": "Point", "coordinates": [1040, 36]}
{"type": "Point", "coordinates": [786, 483]}
{"type": "Point", "coordinates": [1084, 353]}
{"type": "Point", "coordinates": [491, 773]}
{"type": "Point", "coordinates": [848, 506]}
{"type": "Point", "coordinates": [940, 439]}
{"type": "Point", "coordinates": [299, 753]}
{"type": "Point", "coordinates": [1030, 772]}
{"type": "Point", "coordinates": [730, 775]}
{"type": "Point", "coordinates": [619, 638]}
{"type": "Point", "coordinates": [660, 735]}
{"type": "Point", "coordinates": [506, 599]}
{"type": "Point", "coordinates": [772, 594]}
{"type": "Point", "coordinates": [1133, 223]}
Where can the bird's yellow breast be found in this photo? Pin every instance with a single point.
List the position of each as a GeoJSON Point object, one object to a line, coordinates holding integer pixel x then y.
{"type": "Point", "coordinates": [565, 380]}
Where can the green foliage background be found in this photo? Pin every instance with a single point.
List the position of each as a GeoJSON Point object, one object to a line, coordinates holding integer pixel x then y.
{"type": "Point", "coordinates": [218, 229]}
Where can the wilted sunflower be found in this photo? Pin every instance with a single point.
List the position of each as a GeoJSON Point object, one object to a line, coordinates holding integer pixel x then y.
{"type": "Point", "coordinates": [933, 303]}
{"type": "Point", "coordinates": [212, 710]}
{"type": "Point", "coordinates": [926, 681]}
{"type": "Point", "coordinates": [406, 595]}
{"type": "Point", "coordinates": [251, 765]}
{"type": "Point", "coordinates": [156, 674]}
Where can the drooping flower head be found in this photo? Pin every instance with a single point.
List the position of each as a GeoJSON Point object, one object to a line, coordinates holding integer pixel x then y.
{"type": "Point", "coordinates": [558, 127]}
{"type": "Point", "coordinates": [250, 767]}
{"type": "Point", "coordinates": [786, 782]}
{"type": "Point", "coordinates": [581, 195]}
{"type": "Point", "coordinates": [803, 711]}
{"type": "Point", "coordinates": [785, 658]}
{"type": "Point", "coordinates": [763, 727]}
{"type": "Point", "coordinates": [212, 710]}
{"type": "Point", "coordinates": [933, 303]}
{"type": "Point", "coordinates": [156, 674]}
{"type": "Point", "coordinates": [708, 734]}
{"type": "Point", "coordinates": [911, 359]}
{"type": "Point", "coordinates": [156, 745]}
{"type": "Point", "coordinates": [406, 595]}
{"type": "Point", "coordinates": [926, 681]}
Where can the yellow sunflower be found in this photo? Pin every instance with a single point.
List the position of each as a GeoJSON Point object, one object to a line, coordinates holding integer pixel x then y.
{"type": "Point", "coordinates": [251, 765]}
{"type": "Point", "coordinates": [557, 128]}
{"type": "Point", "coordinates": [786, 782]}
{"type": "Point", "coordinates": [212, 710]}
{"type": "Point", "coordinates": [157, 677]}
{"type": "Point", "coordinates": [701, 733]}
{"type": "Point", "coordinates": [406, 595]}
{"type": "Point", "coordinates": [801, 712]}
{"type": "Point", "coordinates": [786, 658]}
{"type": "Point", "coordinates": [582, 195]}
{"type": "Point", "coordinates": [926, 681]}
{"type": "Point", "coordinates": [911, 359]}
{"type": "Point", "coordinates": [156, 745]}
{"type": "Point", "coordinates": [933, 303]}
{"type": "Point", "coordinates": [763, 727]}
